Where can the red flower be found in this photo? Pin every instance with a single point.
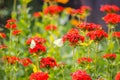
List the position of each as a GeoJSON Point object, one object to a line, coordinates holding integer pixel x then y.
{"type": "Point", "coordinates": [2, 35]}
{"type": "Point", "coordinates": [50, 27]}
{"type": "Point", "coordinates": [81, 10]}
{"type": "Point", "coordinates": [16, 32]}
{"type": "Point", "coordinates": [85, 9]}
{"type": "Point", "coordinates": [73, 37]}
{"type": "Point", "coordinates": [36, 14]}
{"type": "Point", "coordinates": [112, 18]}
{"type": "Point", "coordinates": [84, 60]}
{"type": "Point", "coordinates": [116, 34]}
{"type": "Point", "coordinates": [37, 49]}
{"type": "Point", "coordinates": [80, 75]}
{"type": "Point", "coordinates": [109, 8]}
{"type": "Point", "coordinates": [11, 59]}
{"type": "Point", "coordinates": [110, 56]}
{"type": "Point", "coordinates": [89, 26]}
{"type": "Point", "coordinates": [3, 46]}
{"type": "Point", "coordinates": [37, 39]}
{"type": "Point", "coordinates": [97, 35]}
{"type": "Point", "coordinates": [48, 62]}
{"type": "Point", "coordinates": [11, 23]}
{"type": "Point", "coordinates": [73, 31]}
{"type": "Point", "coordinates": [53, 9]}
{"type": "Point", "coordinates": [36, 44]}
{"type": "Point", "coordinates": [117, 77]}
{"type": "Point", "coordinates": [39, 76]}
{"type": "Point", "coordinates": [25, 61]}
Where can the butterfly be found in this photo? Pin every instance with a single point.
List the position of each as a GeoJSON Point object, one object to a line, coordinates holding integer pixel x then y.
{"type": "Point", "coordinates": [58, 42]}
{"type": "Point", "coordinates": [33, 44]}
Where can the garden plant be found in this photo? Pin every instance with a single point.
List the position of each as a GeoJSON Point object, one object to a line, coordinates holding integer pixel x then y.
{"type": "Point", "coordinates": [58, 43]}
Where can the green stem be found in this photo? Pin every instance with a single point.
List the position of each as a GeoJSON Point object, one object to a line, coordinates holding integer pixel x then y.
{"type": "Point", "coordinates": [63, 73]}
{"type": "Point", "coordinates": [74, 62]}
{"type": "Point", "coordinates": [10, 44]}
{"type": "Point", "coordinates": [35, 29]}
{"type": "Point", "coordinates": [14, 72]}
{"type": "Point", "coordinates": [10, 74]}
{"type": "Point", "coordinates": [6, 68]}
{"type": "Point", "coordinates": [110, 32]}
{"type": "Point", "coordinates": [88, 51]}
{"type": "Point", "coordinates": [26, 74]}
{"type": "Point", "coordinates": [110, 67]}
{"type": "Point", "coordinates": [96, 46]}
{"type": "Point", "coordinates": [37, 62]}
{"type": "Point", "coordinates": [14, 9]}
{"type": "Point", "coordinates": [14, 5]}
{"type": "Point", "coordinates": [85, 21]}
{"type": "Point", "coordinates": [117, 42]}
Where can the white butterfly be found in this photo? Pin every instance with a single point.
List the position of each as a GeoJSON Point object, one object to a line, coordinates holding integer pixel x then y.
{"type": "Point", "coordinates": [33, 44]}
{"type": "Point", "coordinates": [58, 42]}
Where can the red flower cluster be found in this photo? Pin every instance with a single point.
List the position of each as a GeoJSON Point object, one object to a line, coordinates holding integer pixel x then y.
{"type": "Point", "coordinates": [3, 46]}
{"type": "Point", "coordinates": [117, 77]}
{"type": "Point", "coordinates": [11, 59]}
{"type": "Point", "coordinates": [37, 48]}
{"type": "Point", "coordinates": [73, 31]}
{"type": "Point", "coordinates": [37, 39]}
{"type": "Point", "coordinates": [48, 62]}
{"type": "Point", "coordinates": [97, 35]}
{"type": "Point", "coordinates": [81, 10]}
{"type": "Point", "coordinates": [25, 61]}
{"type": "Point", "coordinates": [84, 60]}
{"type": "Point", "coordinates": [80, 75]}
{"type": "Point", "coordinates": [111, 56]}
{"type": "Point", "coordinates": [2, 35]}
{"type": "Point", "coordinates": [53, 9]}
{"type": "Point", "coordinates": [89, 26]}
{"type": "Point", "coordinates": [73, 37]}
{"type": "Point", "coordinates": [50, 27]}
{"type": "Point", "coordinates": [112, 18]}
{"type": "Point", "coordinates": [16, 32]}
{"type": "Point", "coordinates": [116, 34]}
{"type": "Point", "coordinates": [109, 8]}
{"type": "Point", "coordinates": [36, 44]}
{"type": "Point", "coordinates": [39, 76]}
{"type": "Point", "coordinates": [85, 9]}
{"type": "Point", "coordinates": [36, 14]}
{"type": "Point", "coordinates": [11, 23]}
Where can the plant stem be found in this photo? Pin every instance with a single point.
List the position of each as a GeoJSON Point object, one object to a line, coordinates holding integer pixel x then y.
{"type": "Point", "coordinates": [11, 69]}
{"type": "Point", "coordinates": [85, 21]}
{"type": "Point", "coordinates": [96, 46]}
{"type": "Point", "coordinates": [74, 62]}
{"type": "Point", "coordinates": [26, 74]}
{"type": "Point", "coordinates": [10, 44]}
{"type": "Point", "coordinates": [14, 5]}
{"type": "Point", "coordinates": [88, 51]}
{"type": "Point", "coordinates": [110, 67]}
{"type": "Point", "coordinates": [110, 32]}
{"type": "Point", "coordinates": [117, 40]}
{"type": "Point", "coordinates": [14, 72]}
{"type": "Point", "coordinates": [37, 62]}
{"type": "Point", "coordinates": [63, 73]}
{"type": "Point", "coordinates": [14, 9]}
